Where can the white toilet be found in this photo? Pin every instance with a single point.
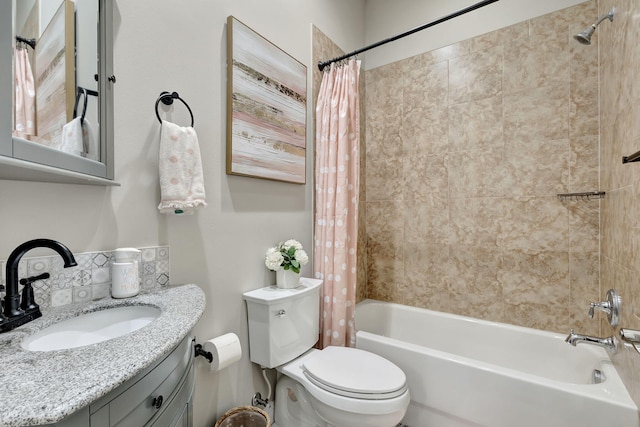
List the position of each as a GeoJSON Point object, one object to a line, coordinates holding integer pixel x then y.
{"type": "Point", "coordinates": [337, 386]}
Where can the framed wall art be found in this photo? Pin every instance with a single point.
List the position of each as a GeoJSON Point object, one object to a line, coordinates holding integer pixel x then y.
{"type": "Point", "coordinates": [266, 108]}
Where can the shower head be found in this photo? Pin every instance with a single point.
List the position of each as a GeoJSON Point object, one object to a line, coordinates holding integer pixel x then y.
{"type": "Point", "coordinates": [585, 36]}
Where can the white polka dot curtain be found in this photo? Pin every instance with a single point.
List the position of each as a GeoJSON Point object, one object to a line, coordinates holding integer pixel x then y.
{"type": "Point", "coordinates": [336, 212]}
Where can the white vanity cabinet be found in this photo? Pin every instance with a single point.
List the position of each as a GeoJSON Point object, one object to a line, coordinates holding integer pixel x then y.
{"type": "Point", "coordinates": [160, 396]}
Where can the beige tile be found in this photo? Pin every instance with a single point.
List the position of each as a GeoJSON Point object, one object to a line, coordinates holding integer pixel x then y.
{"type": "Point", "coordinates": [385, 220]}
{"type": "Point", "coordinates": [540, 113]}
{"type": "Point", "coordinates": [384, 291]}
{"type": "Point", "coordinates": [551, 28]}
{"type": "Point", "coordinates": [536, 167]}
{"type": "Point", "coordinates": [538, 316]}
{"type": "Point", "coordinates": [383, 140]}
{"type": "Point", "coordinates": [385, 268]}
{"type": "Point", "coordinates": [476, 125]}
{"type": "Point", "coordinates": [424, 132]}
{"type": "Point", "coordinates": [535, 64]}
{"type": "Point", "coordinates": [425, 177]}
{"type": "Point", "coordinates": [584, 164]}
{"type": "Point", "coordinates": [426, 268]}
{"type": "Point", "coordinates": [384, 249]}
{"type": "Point", "coordinates": [534, 225]}
{"type": "Point", "coordinates": [384, 118]}
{"type": "Point", "coordinates": [584, 225]}
{"type": "Point", "coordinates": [477, 173]}
{"type": "Point", "coordinates": [540, 278]}
{"type": "Point", "coordinates": [475, 221]}
{"type": "Point", "coordinates": [465, 302]}
{"type": "Point", "coordinates": [617, 229]}
{"type": "Point", "coordinates": [608, 160]}
{"type": "Point", "coordinates": [583, 114]}
{"type": "Point", "coordinates": [384, 180]}
{"type": "Point", "coordinates": [474, 288]}
{"type": "Point", "coordinates": [427, 263]}
{"type": "Point", "coordinates": [607, 225]}
{"type": "Point", "coordinates": [475, 76]}
{"type": "Point", "coordinates": [425, 88]}
{"type": "Point", "coordinates": [427, 221]}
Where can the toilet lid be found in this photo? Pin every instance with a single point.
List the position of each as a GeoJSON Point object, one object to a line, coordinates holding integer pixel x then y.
{"type": "Point", "coordinates": [355, 373]}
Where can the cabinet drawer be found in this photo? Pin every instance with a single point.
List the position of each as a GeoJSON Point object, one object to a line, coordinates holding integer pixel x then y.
{"type": "Point", "coordinates": [178, 412]}
{"type": "Point", "coordinates": [135, 407]}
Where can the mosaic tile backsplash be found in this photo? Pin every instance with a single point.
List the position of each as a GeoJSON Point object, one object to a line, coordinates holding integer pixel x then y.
{"type": "Point", "coordinates": [91, 279]}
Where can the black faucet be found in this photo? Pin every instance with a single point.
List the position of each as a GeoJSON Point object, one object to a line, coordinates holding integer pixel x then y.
{"type": "Point", "coordinates": [13, 316]}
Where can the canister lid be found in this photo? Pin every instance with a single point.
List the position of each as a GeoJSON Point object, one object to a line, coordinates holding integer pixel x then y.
{"type": "Point", "coordinates": [123, 254]}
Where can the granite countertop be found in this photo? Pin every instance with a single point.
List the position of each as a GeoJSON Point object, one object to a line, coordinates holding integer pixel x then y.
{"type": "Point", "coordinates": [45, 387]}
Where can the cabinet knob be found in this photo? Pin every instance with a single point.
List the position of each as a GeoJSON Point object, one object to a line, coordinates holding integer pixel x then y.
{"type": "Point", "coordinates": [157, 402]}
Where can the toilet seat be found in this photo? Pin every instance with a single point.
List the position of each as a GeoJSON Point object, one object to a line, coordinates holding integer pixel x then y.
{"type": "Point", "coordinates": [354, 373]}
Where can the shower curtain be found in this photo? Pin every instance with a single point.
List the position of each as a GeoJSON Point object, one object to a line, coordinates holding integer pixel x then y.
{"type": "Point", "coordinates": [25, 109]}
{"type": "Point", "coordinates": [336, 204]}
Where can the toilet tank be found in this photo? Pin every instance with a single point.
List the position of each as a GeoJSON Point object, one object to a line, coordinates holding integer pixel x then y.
{"type": "Point", "coordinates": [283, 323]}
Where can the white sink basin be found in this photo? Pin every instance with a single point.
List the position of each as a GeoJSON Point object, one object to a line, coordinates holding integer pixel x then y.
{"type": "Point", "coordinates": [91, 328]}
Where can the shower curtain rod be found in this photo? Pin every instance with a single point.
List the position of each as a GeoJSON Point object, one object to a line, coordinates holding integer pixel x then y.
{"type": "Point", "coordinates": [471, 8]}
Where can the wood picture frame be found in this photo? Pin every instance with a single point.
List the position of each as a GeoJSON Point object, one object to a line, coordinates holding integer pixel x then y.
{"type": "Point", "coordinates": [266, 108]}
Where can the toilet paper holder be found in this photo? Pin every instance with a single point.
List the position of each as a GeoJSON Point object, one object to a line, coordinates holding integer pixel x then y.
{"type": "Point", "coordinates": [199, 351]}
{"type": "Point", "coordinates": [220, 351]}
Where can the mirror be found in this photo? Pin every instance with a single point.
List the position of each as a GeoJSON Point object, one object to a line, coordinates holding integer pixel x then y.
{"type": "Point", "coordinates": [59, 126]}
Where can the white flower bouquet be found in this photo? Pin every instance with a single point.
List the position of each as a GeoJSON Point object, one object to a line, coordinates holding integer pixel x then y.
{"type": "Point", "coordinates": [288, 255]}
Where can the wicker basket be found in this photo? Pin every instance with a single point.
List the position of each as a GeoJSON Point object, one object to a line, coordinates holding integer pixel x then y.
{"type": "Point", "coordinates": [244, 416]}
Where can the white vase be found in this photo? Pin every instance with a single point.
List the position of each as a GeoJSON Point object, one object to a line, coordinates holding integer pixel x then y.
{"type": "Point", "coordinates": [287, 279]}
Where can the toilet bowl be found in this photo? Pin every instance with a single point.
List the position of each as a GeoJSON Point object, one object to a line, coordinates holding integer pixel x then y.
{"type": "Point", "coordinates": [333, 387]}
{"type": "Point", "coordinates": [341, 387]}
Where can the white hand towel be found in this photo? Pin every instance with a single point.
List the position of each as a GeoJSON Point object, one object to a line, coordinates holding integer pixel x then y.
{"type": "Point", "coordinates": [181, 179]}
{"type": "Point", "coordinates": [90, 143]}
{"type": "Point", "coordinates": [71, 140]}
{"type": "Point", "coordinates": [78, 138]}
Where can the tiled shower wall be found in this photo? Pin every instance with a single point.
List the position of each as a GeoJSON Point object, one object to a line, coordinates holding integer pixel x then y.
{"type": "Point", "coordinates": [620, 136]}
{"type": "Point", "coordinates": [91, 278]}
{"type": "Point", "coordinates": [467, 148]}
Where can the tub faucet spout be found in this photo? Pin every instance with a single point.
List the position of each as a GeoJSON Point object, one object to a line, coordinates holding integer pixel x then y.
{"type": "Point", "coordinates": [608, 343]}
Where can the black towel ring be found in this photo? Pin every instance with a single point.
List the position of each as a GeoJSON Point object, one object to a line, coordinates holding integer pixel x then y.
{"type": "Point", "coordinates": [167, 99]}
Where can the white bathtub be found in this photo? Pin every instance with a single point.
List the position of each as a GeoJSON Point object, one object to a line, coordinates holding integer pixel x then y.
{"type": "Point", "coordinates": [469, 372]}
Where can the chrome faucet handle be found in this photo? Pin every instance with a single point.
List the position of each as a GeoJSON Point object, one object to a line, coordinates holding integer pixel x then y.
{"type": "Point", "coordinates": [603, 306]}
{"type": "Point", "coordinates": [611, 306]}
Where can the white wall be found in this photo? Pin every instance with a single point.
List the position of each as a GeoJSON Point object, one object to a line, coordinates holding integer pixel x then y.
{"type": "Point", "coordinates": [48, 10]}
{"type": "Point", "coordinates": [181, 46]}
{"type": "Point", "coordinates": [386, 19]}
{"type": "Point", "coordinates": [22, 8]}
